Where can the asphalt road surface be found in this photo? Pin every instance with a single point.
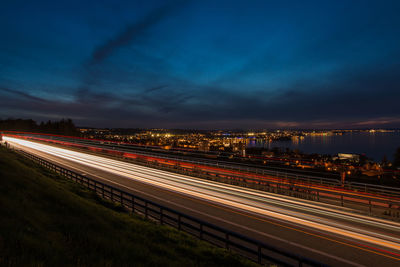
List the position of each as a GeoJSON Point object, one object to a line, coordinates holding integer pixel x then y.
{"type": "Point", "coordinates": [329, 234]}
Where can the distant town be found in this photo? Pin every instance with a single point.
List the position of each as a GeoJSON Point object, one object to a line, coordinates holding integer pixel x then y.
{"type": "Point", "coordinates": [238, 146]}
{"type": "Point", "coordinates": [235, 145]}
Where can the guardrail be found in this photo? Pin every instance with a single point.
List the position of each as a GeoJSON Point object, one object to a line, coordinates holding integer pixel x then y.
{"type": "Point", "coordinates": [255, 250]}
{"type": "Point", "coordinates": [369, 203]}
{"type": "Point", "coordinates": [360, 187]}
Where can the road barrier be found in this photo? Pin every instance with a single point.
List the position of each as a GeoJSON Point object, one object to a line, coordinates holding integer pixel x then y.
{"type": "Point", "coordinates": [255, 250]}
{"type": "Point", "coordinates": [369, 200]}
{"type": "Point", "coordinates": [360, 187]}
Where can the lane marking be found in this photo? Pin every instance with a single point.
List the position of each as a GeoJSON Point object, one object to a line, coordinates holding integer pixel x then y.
{"type": "Point", "coordinates": [211, 216]}
{"type": "Point", "coordinates": [362, 194]}
{"type": "Point", "coordinates": [247, 215]}
{"type": "Point", "coordinates": [107, 166]}
{"type": "Point", "coordinates": [128, 173]}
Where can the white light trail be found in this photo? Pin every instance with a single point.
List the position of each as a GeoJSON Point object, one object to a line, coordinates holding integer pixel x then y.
{"type": "Point", "coordinates": [252, 201]}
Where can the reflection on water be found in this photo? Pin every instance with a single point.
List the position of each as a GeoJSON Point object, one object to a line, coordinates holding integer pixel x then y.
{"type": "Point", "coordinates": [373, 144]}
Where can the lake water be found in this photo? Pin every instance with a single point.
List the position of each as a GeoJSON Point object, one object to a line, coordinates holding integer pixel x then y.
{"type": "Point", "coordinates": [374, 145]}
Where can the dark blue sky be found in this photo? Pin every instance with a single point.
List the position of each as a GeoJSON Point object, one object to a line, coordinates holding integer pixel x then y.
{"type": "Point", "coordinates": [202, 64]}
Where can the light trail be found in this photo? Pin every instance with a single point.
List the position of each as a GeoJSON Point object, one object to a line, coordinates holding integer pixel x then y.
{"type": "Point", "coordinates": [268, 205]}
{"type": "Point", "coordinates": [324, 190]}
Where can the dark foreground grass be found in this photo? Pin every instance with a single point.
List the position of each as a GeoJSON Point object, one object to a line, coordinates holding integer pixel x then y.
{"type": "Point", "coordinates": [46, 220]}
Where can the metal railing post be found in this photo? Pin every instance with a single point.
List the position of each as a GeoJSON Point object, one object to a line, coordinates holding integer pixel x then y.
{"type": "Point", "coordinates": [370, 207]}
{"type": "Point", "coordinates": [237, 240]}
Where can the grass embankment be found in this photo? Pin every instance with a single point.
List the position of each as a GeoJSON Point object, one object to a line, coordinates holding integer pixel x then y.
{"type": "Point", "coordinates": [46, 220]}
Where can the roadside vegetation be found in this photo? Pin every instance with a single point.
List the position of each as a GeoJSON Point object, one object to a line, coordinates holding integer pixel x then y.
{"type": "Point", "coordinates": [47, 220]}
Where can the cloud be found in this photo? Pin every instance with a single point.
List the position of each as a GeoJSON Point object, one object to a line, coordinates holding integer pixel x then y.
{"type": "Point", "coordinates": [344, 98]}
{"type": "Point", "coordinates": [99, 75]}
{"type": "Point", "coordinates": [349, 99]}
{"type": "Point", "coordinates": [130, 33]}
{"type": "Point", "coordinates": [379, 121]}
{"type": "Point", "coordinates": [22, 94]}
{"type": "Point", "coordinates": [155, 88]}
{"type": "Point", "coordinates": [293, 89]}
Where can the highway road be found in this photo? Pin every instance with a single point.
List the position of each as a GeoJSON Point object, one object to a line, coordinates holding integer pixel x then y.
{"type": "Point", "coordinates": [251, 170]}
{"type": "Point", "coordinates": [330, 234]}
{"type": "Point", "coordinates": [187, 154]}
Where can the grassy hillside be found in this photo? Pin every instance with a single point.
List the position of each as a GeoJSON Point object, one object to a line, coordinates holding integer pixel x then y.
{"type": "Point", "coordinates": [46, 220]}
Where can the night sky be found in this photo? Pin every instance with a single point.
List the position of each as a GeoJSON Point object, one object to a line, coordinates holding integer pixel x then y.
{"type": "Point", "coordinates": [202, 64]}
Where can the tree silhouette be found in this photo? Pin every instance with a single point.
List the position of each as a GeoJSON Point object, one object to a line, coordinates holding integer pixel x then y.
{"type": "Point", "coordinates": [62, 127]}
